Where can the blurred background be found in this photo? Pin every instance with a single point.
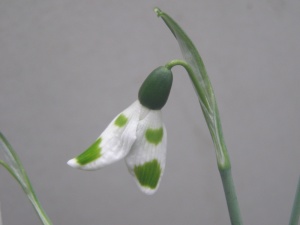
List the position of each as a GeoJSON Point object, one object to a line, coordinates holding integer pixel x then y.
{"type": "Point", "coordinates": [68, 67]}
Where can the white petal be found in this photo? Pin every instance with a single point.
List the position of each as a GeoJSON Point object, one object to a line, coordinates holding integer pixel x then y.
{"type": "Point", "coordinates": [113, 144]}
{"type": "Point", "coordinates": [147, 158]}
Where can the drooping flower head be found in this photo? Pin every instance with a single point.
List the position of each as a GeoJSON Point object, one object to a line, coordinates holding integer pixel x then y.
{"type": "Point", "coordinates": [136, 134]}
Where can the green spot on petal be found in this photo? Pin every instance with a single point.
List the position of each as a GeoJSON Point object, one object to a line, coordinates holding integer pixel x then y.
{"type": "Point", "coordinates": [148, 174]}
{"type": "Point", "coordinates": [91, 154]}
{"type": "Point", "coordinates": [121, 121]}
{"type": "Point", "coordinates": [154, 136]}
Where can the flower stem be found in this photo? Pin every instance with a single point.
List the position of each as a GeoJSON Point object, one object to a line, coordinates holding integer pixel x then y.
{"type": "Point", "coordinates": [197, 85]}
{"type": "Point", "coordinates": [296, 207]}
{"type": "Point", "coordinates": [215, 129]}
{"type": "Point", "coordinates": [231, 198]}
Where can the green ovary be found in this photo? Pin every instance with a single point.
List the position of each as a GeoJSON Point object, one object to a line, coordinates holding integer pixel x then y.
{"type": "Point", "coordinates": [121, 121]}
{"type": "Point", "coordinates": [148, 174]}
{"type": "Point", "coordinates": [91, 154]}
{"type": "Point", "coordinates": [154, 136]}
{"type": "Point", "coordinates": [155, 90]}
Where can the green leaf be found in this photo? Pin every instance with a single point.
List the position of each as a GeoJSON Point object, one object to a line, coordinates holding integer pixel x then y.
{"type": "Point", "coordinates": [203, 87]}
{"type": "Point", "coordinates": [12, 163]}
{"type": "Point", "coordinates": [193, 58]}
{"type": "Point", "coordinates": [196, 70]}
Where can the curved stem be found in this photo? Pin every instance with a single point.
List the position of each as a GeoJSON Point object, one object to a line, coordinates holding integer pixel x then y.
{"type": "Point", "coordinates": [215, 129]}
{"type": "Point", "coordinates": [199, 90]}
{"type": "Point", "coordinates": [296, 207]}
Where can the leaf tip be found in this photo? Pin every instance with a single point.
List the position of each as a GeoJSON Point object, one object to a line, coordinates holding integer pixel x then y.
{"type": "Point", "coordinates": [158, 11]}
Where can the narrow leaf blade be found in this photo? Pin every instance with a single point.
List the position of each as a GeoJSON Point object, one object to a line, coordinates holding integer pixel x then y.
{"type": "Point", "coordinates": [191, 55]}
{"type": "Point", "coordinates": [12, 161]}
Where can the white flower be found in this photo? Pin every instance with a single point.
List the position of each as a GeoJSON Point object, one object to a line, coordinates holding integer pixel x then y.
{"type": "Point", "coordinates": [136, 134]}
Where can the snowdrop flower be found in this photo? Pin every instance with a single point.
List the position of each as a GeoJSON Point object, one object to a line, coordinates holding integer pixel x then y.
{"type": "Point", "coordinates": [136, 134]}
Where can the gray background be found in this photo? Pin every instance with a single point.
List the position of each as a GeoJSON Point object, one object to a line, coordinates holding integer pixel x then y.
{"type": "Point", "coordinates": [68, 67]}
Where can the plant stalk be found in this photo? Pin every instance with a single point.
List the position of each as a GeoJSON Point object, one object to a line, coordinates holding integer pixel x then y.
{"type": "Point", "coordinates": [222, 156]}
{"type": "Point", "coordinates": [296, 207]}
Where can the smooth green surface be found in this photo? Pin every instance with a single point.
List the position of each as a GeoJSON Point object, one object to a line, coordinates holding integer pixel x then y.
{"type": "Point", "coordinates": [191, 55]}
{"type": "Point", "coordinates": [213, 122]}
{"type": "Point", "coordinates": [154, 136]}
{"type": "Point", "coordinates": [91, 154]}
{"type": "Point", "coordinates": [148, 174]}
{"type": "Point", "coordinates": [14, 166]}
{"type": "Point", "coordinates": [197, 72]}
{"type": "Point", "coordinates": [231, 198]}
{"type": "Point", "coordinates": [294, 219]}
{"type": "Point", "coordinates": [121, 120]}
{"type": "Point", "coordinates": [155, 90]}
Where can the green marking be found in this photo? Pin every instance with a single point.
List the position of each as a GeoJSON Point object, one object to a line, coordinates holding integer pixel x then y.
{"type": "Point", "coordinates": [148, 174]}
{"type": "Point", "coordinates": [121, 121]}
{"type": "Point", "coordinates": [91, 154]}
{"type": "Point", "coordinates": [154, 136]}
